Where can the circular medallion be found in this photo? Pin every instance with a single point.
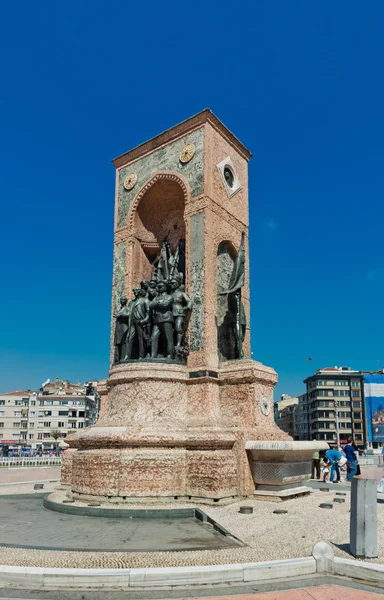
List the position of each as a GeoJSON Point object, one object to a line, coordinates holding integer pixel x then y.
{"type": "Point", "coordinates": [187, 153]}
{"type": "Point", "coordinates": [130, 181]}
{"type": "Point", "coordinates": [265, 405]}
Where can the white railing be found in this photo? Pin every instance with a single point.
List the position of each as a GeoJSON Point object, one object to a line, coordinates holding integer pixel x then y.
{"type": "Point", "coordinates": [30, 461]}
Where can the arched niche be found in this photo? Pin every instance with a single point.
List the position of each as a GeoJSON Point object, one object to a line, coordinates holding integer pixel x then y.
{"type": "Point", "coordinates": [225, 258]}
{"type": "Point", "coordinates": [157, 215]}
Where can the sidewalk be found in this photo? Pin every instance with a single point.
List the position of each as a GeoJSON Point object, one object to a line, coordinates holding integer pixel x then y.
{"type": "Point", "coordinates": [28, 474]}
{"type": "Point", "coordinates": [322, 592]}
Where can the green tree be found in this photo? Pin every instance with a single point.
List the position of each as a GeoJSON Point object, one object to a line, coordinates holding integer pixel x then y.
{"type": "Point", "coordinates": [55, 433]}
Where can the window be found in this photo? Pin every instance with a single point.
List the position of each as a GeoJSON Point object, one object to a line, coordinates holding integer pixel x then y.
{"type": "Point", "coordinates": [2, 412]}
{"type": "Point", "coordinates": [40, 424]}
{"type": "Point", "coordinates": [355, 394]}
{"type": "Point", "coordinates": [81, 425]}
{"type": "Point", "coordinates": [61, 424]}
{"type": "Point", "coordinates": [39, 436]}
{"type": "Point", "coordinates": [30, 435]}
{"type": "Point", "coordinates": [16, 425]}
{"type": "Point", "coordinates": [357, 416]}
{"type": "Point", "coordinates": [46, 435]}
{"type": "Point", "coordinates": [18, 403]}
{"type": "Point", "coordinates": [2, 402]}
{"type": "Point", "coordinates": [24, 424]}
{"type": "Point", "coordinates": [32, 413]}
{"type": "Point", "coordinates": [63, 413]}
{"type": "Point", "coordinates": [72, 426]}
{"type": "Point", "coordinates": [345, 425]}
{"type": "Point", "coordinates": [33, 402]}
{"type": "Point", "coordinates": [63, 402]}
{"type": "Point", "coordinates": [358, 426]}
{"type": "Point", "coordinates": [17, 413]}
{"type": "Point", "coordinates": [359, 436]}
{"type": "Point", "coordinates": [356, 404]}
{"type": "Point", "coordinates": [47, 423]}
{"type": "Point", "coordinates": [31, 424]}
{"type": "Point", "coordinates": [355, 383]}
{"type": "Point", "coordinates": [81, 413]}
{"type": "Point", "coordinates": [1, 424]}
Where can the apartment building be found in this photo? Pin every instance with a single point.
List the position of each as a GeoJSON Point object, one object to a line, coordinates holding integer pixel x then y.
{"type": "Point", "coordinates": [28, 419]}
{"type": "Point", "coordinates": [302, 419]}
{"type": "Point", "coordinates": [335, 403]}
{"type": "Point", "coordinates": [285, 413]}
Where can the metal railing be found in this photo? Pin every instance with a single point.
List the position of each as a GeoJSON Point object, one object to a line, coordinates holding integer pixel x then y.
{"type": "Point", "coordinates": [30, 461]}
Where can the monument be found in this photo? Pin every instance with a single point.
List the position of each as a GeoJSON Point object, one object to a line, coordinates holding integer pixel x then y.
{"type": "Point", "coordinates": [183, 399]}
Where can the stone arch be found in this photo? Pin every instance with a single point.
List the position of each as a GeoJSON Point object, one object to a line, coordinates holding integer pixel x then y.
{"type": "Point", "coordinates": [157, 213]}
{"type": "Point", "coordinates": [225, 258]}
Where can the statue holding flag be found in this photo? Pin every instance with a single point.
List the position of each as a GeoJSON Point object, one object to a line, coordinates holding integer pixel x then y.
{"type": "Point", "coordinates": [236, 313]}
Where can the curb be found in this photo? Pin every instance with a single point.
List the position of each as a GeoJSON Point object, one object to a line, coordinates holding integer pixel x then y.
{"type": "Point", "coordinates": [322, 561]}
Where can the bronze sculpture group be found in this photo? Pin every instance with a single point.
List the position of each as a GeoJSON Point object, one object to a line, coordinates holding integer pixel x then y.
{"type": "Point", "coordinates": [153, 324]}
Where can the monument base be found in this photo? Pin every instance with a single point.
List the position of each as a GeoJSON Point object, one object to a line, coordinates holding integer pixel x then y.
{"type": "Point", "coordinates": [170, 432]}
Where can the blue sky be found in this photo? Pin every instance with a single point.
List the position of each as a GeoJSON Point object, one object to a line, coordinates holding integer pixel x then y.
{"type": "Point", "coordinates": [300, 83]}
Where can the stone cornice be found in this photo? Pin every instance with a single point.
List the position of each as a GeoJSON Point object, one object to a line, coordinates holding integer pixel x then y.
{"type": "Point", "coordinates": [191, 124]}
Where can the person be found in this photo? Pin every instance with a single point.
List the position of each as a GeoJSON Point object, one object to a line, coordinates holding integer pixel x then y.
{"type": "Point", "coordinates": [325, 469]}
{"type": "Point", "coordinates": [316, 465]}
{"type": "Point", "coordinates": [365, 451]}
{"type": "Point", "coordinates": [358, 471]}
{"type": "Point", "coordinates": [350, 454]}
{"type": "Point", "coordinates": [334, 457]}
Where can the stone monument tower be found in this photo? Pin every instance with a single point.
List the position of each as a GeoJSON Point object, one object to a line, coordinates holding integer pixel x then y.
{"type": "Point", "coordinates": [183, 397]}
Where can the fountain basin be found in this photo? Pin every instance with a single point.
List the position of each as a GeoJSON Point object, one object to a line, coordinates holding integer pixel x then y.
{"type": "Point", "coordinates": [280, 469]}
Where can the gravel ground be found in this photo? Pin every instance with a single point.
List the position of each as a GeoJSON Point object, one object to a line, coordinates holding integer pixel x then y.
{"type": "Point", "coordinates": [268, 537]}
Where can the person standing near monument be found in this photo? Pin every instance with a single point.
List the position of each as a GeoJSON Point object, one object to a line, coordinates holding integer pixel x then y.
{"type": "Point", "coordinates": [121, 329]}
{"type": "Point", "coordinates": [163, 321]}
{"type": "Point", "coordinates": [316, 467]}
{"type": "Point", "coordinates": [138, 318]}
{"type": "Point", "coordinates": [351, 456]}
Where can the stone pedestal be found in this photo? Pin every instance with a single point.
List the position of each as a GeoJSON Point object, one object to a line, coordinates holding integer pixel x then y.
{"type": "Point", "coordinates": [167, 431]}
{"type": "Point", "coordinates": [280, 468]}
{"type": "Point", "coordinates": [363, 521]}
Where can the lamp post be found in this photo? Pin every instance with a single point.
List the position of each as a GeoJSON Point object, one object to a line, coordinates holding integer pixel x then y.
{"type": "Point", "coordinates": [337, 423]}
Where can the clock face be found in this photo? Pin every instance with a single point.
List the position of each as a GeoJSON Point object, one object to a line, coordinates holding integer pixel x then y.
{"type": "Point", "coordinates": [130, 181]}
{"type": "Point", "coordinates": [265, 405]}
{"type": "Point", "coordinates": [187, 153]}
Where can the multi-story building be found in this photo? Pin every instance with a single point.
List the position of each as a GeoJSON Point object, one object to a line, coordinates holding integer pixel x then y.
{"type": "Point", "coordinates": [302, 419]}
{"type": "Point", "coordinates": [32, 419]}
{"type": "Point", "coordinates": [285, 413]}
{"type": "Point", "coordinates": [335, 403]}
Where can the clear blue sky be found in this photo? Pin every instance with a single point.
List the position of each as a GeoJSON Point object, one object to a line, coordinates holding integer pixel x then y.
{"type": "Point", "coordinates": [300, 83]}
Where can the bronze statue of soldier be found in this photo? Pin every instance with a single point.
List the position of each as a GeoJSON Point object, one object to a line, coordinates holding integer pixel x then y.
{"type": "Point", "coordinates": [163, 321]}
{"type": "Point", "coordinates": [138, 318]}
{"type": "Point", "coordinates": [237, 321]}
{"type": "Point", "coordinates": [182, 304]}
{"type": "Point", "coordinates": [121, 329]}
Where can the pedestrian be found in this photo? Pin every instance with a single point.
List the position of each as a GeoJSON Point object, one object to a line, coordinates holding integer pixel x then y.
{"type": "Point", "coordinates": [358, 470]}
{"type": "Point", "coordinates": [350, 454]}
{"type": "Point", "coordinates": [334, 457]}
{"type": "Point", "coordinates": [316, 465]}
{"type": "Point", "coordinates": [365, 451]}
{"type": "Point", "coordinates": [325, 469]}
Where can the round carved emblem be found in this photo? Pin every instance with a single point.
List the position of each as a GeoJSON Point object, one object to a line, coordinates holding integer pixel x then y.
{"type": "Point", "coordinates": [130, 181]}
{"type": "Point", "coordinates": [187, 153]}
{"type": "Point", "coordinates": [265, 405]}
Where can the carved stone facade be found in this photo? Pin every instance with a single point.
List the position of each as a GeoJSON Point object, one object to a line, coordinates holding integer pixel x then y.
{"type": "Point", "coordinates": [179, 430]}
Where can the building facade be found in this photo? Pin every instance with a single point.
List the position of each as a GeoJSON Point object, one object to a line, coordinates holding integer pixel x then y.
{"type": "Point", "coordinates": [335, 405]}
{"type": "Point", "coordinates": [285, 413]}
{"type": "Point", "coordinates": [41, 419]}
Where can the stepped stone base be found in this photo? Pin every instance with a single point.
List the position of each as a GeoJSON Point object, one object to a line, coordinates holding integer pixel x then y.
{"type": "Point", "coordinates": [169, 432]}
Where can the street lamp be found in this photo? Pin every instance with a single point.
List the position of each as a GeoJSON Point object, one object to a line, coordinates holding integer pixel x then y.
{"type": "Point", "coordinates": [337, 422]}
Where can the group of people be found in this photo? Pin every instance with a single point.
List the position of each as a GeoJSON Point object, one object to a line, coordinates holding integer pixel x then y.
{"type": "Point", "coordinates": [153, 323]}
{"type": "Point", "coordinates": [334, 461]}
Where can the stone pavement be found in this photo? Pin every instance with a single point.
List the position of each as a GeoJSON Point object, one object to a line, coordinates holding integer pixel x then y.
{"type": "Point", "coordinates": [28, 474]}
{"type": "Point", "coordinates": [25, 523]}
{"type": "Point", "coordinates": [323, 592]}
